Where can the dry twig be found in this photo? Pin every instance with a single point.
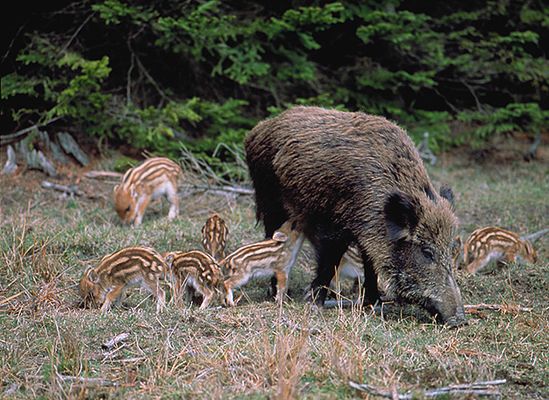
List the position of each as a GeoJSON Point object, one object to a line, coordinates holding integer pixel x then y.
{"type": "Point", "coordinates": [71, 190]}
{"type": "Point", "coordinates": [13, 137]}
{"type": "Point", "coordinates": [222, 189]}
{"type": "Point", "coordinates": [495, 307]}
{"type": "Point", "coordinates": [102, 174]}
{"type": "Point", "coordinates": [485, 388]}
{"type": "Point", "coordinates": [89, 381]}
{"type": "Point", "coordinates": [115, 340]}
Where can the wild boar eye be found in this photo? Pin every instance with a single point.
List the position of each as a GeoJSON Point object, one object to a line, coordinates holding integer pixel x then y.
{"type": "Point", "coordinates": [428, 253]}
{"type": "Point", "coordinates": [128, 209]}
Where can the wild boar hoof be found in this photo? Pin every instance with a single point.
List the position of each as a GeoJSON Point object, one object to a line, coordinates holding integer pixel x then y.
{"type": "Point", "coordinates": [456, 321]}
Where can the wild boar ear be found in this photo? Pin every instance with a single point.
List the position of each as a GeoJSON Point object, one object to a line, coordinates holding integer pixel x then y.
{"type": "Point", "coordinates": [279, 237]}
{"type": "Point", "coordinates": [115, 189]}
{"type": "Point", "coordinates": [447, 192]}
{"type": "Point", "coordinates": [401, 215]}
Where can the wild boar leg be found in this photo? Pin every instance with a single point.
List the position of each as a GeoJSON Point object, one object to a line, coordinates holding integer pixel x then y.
{"type": "Point", "coordinates": [329, 253]}
{"type": "Point", "coordinates": [370, 289]}
{"type": "Point", "coordinates": [272, 221]}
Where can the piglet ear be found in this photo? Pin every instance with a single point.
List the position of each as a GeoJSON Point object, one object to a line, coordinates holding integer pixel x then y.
{"type": "Point", "coordinates": [169, 259]}
{"type": "Point", "coordinates": [280, 237]}
{"type": "Point", "coordinates": [294, 225]}
{"type": "Point", "coordinates": [92, 275]}
{"type": "Point", "coordinates": [447, 192]}
{"type": "Point", "coordinates": [115, 189]}
{"type": "Point", "coordinates": [401, 215]}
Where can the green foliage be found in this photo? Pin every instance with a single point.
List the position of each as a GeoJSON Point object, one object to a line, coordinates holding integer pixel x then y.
{"type": "Point", "coordinates": [436, 123]}
{"type": "Point", "coordinates": [13, 85]}
{"type": "Point", "coordinates": [123, 163]}
{"type": "Point", "coordinates": [514, 117]}
{"type": "Point", "coordinates": [113, 12]}
{"type": "Point", "coordinates": [82, 97]}
{"type": "Point", "coordinates": [71, 85]}
{"type": "Point", "coordinates": [203, 73]}
{"type": "Point", "coordinates": [153, 127]}
{"type": "Point", "coordinates": [162, 130]}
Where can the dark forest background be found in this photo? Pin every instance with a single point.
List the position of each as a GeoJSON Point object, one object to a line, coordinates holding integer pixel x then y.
{"type": "Point", "coordinates": [165, 74]}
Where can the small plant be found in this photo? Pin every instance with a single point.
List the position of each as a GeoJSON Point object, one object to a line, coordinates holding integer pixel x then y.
{"type": "Point", "coordinates": [66, 354]}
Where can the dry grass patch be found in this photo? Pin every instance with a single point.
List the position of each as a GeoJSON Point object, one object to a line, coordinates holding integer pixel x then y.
{"type": "Point", "coordinates": [51, 348]}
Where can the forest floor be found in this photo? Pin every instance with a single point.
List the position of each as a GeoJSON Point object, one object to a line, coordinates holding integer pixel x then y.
{"type": "Point", "coordinates": [51, 348]}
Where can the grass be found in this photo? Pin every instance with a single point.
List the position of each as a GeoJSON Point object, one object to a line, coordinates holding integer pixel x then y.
{"type": "Point", "coordinates": [255, 350]}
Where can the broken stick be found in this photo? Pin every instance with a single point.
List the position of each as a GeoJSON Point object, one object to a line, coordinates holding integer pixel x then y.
{"type": "Point", "coordinates": [229, 189]}
{"type": "Point", "coordinates": [115, 340]}
{"type": "Point", "coordinates": [89, 381]}
{"type": "Point", "coordinates": [485, 388]}
{"type": "Point", "coordinates": [102, 174]}
{"type": "Point", "coordinates": [71, 190]}
{"type": "Point", "coordinates": [495, 307]}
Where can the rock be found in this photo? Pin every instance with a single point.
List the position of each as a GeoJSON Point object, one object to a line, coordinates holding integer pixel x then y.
{"type": "Point", "coordinates": [54, 148]}
{"type": "Point", "coordinates": [71, 147]}
{"type": "Point", "coordinates": [11, 164]}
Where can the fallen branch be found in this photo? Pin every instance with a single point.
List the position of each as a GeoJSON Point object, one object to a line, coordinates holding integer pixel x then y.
{"type": "Point", "coordinates": [237, 190]}
{"type": "Point", "coordinates": [92, 381]}
{"type": "Point", "coordinates": [109, 354]}
{"type": "Point", "coordinates": [485, 388]}
{"type": "Point", "coordinates": [115, 340]}
{"type": "Point", "coordinates": [102, 174]}
{"type": "Point", "coordinates": [127, 360]}
{"type": "Point", "coordinates": [229, 189]}
{"type": "Point", "coordinates": [71, 190]}
{"type": "Point", "coordinates": [495, 307]}
{"type": "Point", "coordinates": [12, 137]}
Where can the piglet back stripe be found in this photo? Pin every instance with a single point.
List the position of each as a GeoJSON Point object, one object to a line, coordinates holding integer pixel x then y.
{"type": "Point", "coordinates": [257, 249]}
{"type": "Point", "coordinates": [150, 169]}
{"type": "Point", "coordinates": [144, 257]}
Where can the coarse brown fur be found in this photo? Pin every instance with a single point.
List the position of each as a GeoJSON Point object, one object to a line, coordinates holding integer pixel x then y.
{"type": "Point", "coordinates": [352, 177]}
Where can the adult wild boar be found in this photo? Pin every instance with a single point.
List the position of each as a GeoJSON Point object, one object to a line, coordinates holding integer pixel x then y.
{"type": "Point", "coordinates": [349, 177]}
